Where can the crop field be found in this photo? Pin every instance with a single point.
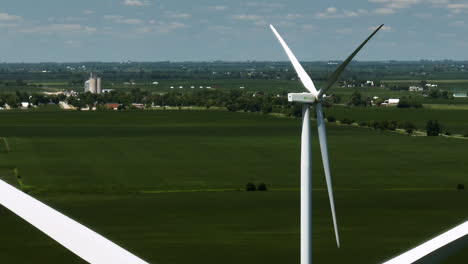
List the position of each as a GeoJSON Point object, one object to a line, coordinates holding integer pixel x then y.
{"type": "Point", "coordinates": [451, 85]}
{"type": "Point", "coordinates": [168, 186]}
{"type": "Point", "coordinates": [453, 118]}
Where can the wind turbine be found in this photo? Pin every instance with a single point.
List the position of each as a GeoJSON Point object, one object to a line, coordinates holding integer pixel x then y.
{"type": "Point", "coordinates": [308, 99]}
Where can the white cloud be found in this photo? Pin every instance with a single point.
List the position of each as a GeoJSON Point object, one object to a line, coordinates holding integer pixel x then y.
{"type": "Point", "coordinates": [59, 28]}
{"type": "Point", "coordinates": [293, 16]}
{"type": "Point", "coordinates": [333, 12]}
{"type": "Point", "coordinates": [8, 17]}
{"type": "Point", "coordinates": [178, 15]}
{"type": "Point", "coordinates": [9, 25]}
{"type": "Point", "coordinates": [136, 3]}
{"type": "Point", "coordinates": [308, 27]}
{"type": "Point", "coordinates": [162, 27]}
{"type": "Point", "coordinates": [458, 8]}
{"type": "Point", "coordinates": [265, 5]}
{"type": "Point", "coordinates": [384, 28]}
{"type": "Point", "coordinates": [344, 31]}
{"type": "Point", "coordinates": [72, 43]}
{"type": "Point", "coordinates": [384, 11]}
{"type": "Point", "coordinates": [221, 29]}
{"type": "Point", "coordinates": [247, 17]}
{"type": "Point", "coordinates": [123, 20]}
{"type": "Point", "coordinates": [458, 23]}
{"type": "Point", "coordinates": [218, 8]}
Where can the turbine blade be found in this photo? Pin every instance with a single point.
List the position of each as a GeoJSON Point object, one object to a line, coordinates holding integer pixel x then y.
{"type": "Point", "coordinates": [326, 166]}
{"type": "Point", "coordinates": [305, 78]}
{"type": "Point", "coordinates": [334, 77]}
{"type": "Point", "coordinates": [436, 249]}
{"type": "Point", "coordinates": [77, 238]}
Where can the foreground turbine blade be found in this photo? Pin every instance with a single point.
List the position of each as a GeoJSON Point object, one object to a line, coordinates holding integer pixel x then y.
{"type": "Point", "coordinates": [77, 238]}
{"type": "Point", "coordinates": [334, 77]}
{"type": "Point", "coordinates": [305, 78]}
{"type": "Point", "coordinates": [326, 165]}
{"type": "Point", "coordinates": [436, 249]}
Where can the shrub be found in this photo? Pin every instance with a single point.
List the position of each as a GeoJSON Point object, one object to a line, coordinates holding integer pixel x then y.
{"type": "Point", "coordinates": [409, 127]}
{"type": "Point", "coordinates": [250, 187]}
{"type": "Point", "coordinates": [460, 187]}
{"type": "Point", "coordinates": [447, 133]}
{"type": "Point", "coordinates": [331, 119]}
{"type": "Point", "coordinates": [374, 124]}
{"type": "Point", "coordinates": [393, 125]}
{"type": "Point", "coordinates": [363, 123]}
{"type": "Point", "coordinates": [466, 134]}
{"type": "Point", "coordinates": [262, 187]}
{"type": "Point", "coordinates": [347, 121]}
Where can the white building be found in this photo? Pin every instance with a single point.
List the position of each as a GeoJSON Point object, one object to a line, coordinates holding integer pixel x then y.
{"type": "Point", "coordinates": [415, 89]}
{"type": "Point", "coordinates": [392, 101]}
{"type": "Point", "coordinates": [459, 95]}
{"type": "Point", "coordinates": [93, 85]}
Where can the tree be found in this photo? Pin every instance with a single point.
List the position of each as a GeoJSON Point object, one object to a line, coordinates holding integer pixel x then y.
{"type": "Point", "coordinates": [250, 187]}
{"type": "Point", "coordinates": [433, 128]}
{"type": "Point", "coordinates": [409, 127]}
{"type": "Point", "coordinates": [262, 187]}
{"type": "Point", "coordinates": [357, 100]}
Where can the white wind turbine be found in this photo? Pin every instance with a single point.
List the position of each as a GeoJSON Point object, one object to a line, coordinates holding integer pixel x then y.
{"type": "Point", "coordinates": [308, 99]}
{"type": "Point", "coordinates": [96, 249]}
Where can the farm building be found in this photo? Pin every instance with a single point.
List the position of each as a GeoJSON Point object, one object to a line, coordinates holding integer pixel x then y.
{"type": "Point", "coordinates": [459, 95]}
{"type": "Point", "coordinates": [390, 102]}
{"type": "Point", "coordinates": [93, 85]}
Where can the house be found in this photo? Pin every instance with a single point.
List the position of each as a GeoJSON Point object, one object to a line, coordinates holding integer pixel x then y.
{"type": "Point", "coordinates": [370, 83]}
{"type": "Point", "coordinates": [415, 89]}
{"type": "Point", "coordinates": [258, 93]}
{"type": "Point", "coordinates": [138, 106]}
{"type": "Point", "coordinates": [113, 106]}
{"type": "Point", "coordinates": [24, 105]}
{"type": "Point", "coordinates": [459, 95]}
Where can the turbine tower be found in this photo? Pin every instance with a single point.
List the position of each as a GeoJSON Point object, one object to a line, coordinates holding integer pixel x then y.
{"type": "Point", "coordinates": [307, 100]}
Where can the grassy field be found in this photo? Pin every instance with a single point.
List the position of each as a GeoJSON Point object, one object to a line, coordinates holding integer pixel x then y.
{"type": "Point", "coordinates": [109, 170]}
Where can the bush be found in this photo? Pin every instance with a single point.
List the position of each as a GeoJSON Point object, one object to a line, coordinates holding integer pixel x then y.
{"type": "Point", "coordinates": [460, 187]}
{"type": "Point", "coordinates": [262, 187]}
{"type": "Point", "coordinates": [409, 127]}
{"type": "Point", "coordinates": [331, 119]}
{"type": "Point", "coordinates": [363, 123]}
{"type": "Point", "coordinates": [447, 133]}
{"type": "Point", "coordinates": [347, 121]}
{"type": "Point", "coordinates": [393, 125]}
{"type": "Point", "coordinates": [466, 134]}
{"type": "Point", "coordinates": [250, 187]}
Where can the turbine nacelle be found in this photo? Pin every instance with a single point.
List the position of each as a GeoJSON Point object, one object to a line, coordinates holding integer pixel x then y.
{"type": "Point", "coordinates": [305, 98]}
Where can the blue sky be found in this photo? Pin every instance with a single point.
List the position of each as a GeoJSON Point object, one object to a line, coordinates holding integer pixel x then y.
{"type": "Point", "coordinates": [201, 30]}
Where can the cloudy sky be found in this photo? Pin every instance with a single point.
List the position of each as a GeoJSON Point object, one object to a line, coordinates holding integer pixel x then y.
{"type": "Point", "coordinates": [201, 30]}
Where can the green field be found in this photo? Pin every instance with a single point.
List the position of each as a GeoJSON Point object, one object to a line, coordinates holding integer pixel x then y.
{"type": "Point", "coordinates": [111, 171]}
{"type": "Point", "coordinates": [452, 117]}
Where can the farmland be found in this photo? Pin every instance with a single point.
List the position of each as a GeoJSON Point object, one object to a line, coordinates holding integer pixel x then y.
{"type": "Point", "coordinates": [453, 117]}
{"type": "Point", "coordinates": [168, 185]}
